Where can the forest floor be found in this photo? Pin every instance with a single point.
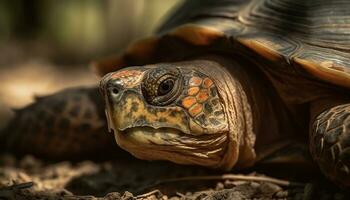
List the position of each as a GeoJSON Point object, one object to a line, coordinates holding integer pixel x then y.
{"type": "Point", "coordinates": [129, 178]}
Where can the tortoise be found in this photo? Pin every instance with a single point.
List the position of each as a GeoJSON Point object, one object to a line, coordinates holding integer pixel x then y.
{"type": "Point", "coordinates": [222, 84]}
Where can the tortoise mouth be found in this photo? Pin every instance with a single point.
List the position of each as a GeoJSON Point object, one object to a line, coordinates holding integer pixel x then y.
{"type": "Point", "coordinates": [149, 136]}
{"type": "Point", "coordinates": [173, 145]}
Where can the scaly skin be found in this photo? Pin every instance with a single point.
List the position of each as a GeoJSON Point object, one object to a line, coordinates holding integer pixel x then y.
{"type": "Point", "coordinates": [67, 125]}
{"type": "Point", "coordinates": [330, 143]}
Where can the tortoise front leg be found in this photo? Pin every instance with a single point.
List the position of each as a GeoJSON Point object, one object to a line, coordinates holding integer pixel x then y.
{"type": "Point", "coordinates": [330, 143]}
{"type": "Point", "coordinates": [70, 124]}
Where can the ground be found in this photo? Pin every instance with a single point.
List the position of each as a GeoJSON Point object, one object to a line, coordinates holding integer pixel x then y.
{"type": "Point", "coordinates": [129, 178]}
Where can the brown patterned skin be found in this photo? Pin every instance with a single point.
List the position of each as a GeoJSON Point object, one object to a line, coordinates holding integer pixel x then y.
{"type": "Point", "coordinates": [67, 125]}
{"type": "Point", "coordinates": [330, 143]}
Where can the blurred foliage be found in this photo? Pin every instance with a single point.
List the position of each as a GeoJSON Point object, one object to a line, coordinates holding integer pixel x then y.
{"type": "Point", "coordinates": [79, 30]}
{"type": "Point", "coordinates": [46, 45]}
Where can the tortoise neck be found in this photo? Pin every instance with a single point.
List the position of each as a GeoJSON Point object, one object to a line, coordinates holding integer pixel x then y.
{"type": "Point", "coordinates": [231, 84]}
{"type": "Point", "coordinates": [253, 108]}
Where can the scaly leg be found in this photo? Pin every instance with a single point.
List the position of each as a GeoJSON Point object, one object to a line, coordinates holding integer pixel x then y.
{"type": "Point", "coordinates": [330, 143]}
{"type": "Point", "coordinates": [70, 124]}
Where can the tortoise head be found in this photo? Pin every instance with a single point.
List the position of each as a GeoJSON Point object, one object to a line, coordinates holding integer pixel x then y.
{"type": "Point", "coordinates": [168, 112]}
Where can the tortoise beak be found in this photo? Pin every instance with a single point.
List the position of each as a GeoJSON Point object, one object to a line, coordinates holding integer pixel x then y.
{"type": "Point", "coordinates": [108, 89]}
{"type": "Point", "coordinates": [113, 85]}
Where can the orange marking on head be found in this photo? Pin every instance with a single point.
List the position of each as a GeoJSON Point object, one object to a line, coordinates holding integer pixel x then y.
{"type": "Point", "coordinates": [126, 73]}
{"type": "Point", "coordinates": [188, 102]}
{"type": "Point", "coordinates": [195, 81]}
{"type": "Point", "coordinates": [130, 78]}
{"type": "Point", "coordinates": [193, 91]}
{"type": "Point", "coordinates": [202, 95]}
{"type": "Point", "coordinates": [207, 83]}
{"type": "Point", "coordinates": [196, 109]}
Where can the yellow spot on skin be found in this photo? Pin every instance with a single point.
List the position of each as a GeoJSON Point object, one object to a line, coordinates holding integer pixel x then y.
{"type": "Point", "coordinates": [196, 109]}
{"type": "Point", "coordinates": [193, 91]}
{"type": "Point", "coordinates": [123, 115]}
{"type": "Point", "coordinates": [202, 96]}
{"type": "Point", "coordinates": [188, 102]}
{"type": "Point", "coordinates": [207, 83]}
{"type": "Point", "coordinates": [195, 81]}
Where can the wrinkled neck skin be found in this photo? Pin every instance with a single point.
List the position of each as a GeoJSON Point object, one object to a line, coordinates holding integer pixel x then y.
{"type": "Point", "coordinates": [250, 106]}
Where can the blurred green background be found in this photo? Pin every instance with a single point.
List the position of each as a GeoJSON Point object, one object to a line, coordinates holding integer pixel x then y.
{"type": "Point", "coordinates": [47, 45]}
{"type": "Point", "coordinates": [75, 31]}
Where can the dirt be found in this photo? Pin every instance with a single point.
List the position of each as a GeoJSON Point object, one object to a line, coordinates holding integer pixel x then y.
{"type": "Point", "coordinates": [129, 178]}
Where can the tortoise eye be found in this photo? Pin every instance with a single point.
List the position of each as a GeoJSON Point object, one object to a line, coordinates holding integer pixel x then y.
{"type": "Point", "coordinates": [162, 86]}
{"type": "Point", "coordinates": [165, 87]}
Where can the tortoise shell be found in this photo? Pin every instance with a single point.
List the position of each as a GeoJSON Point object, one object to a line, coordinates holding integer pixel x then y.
{"type": "Point", "coordinates": [311, 38]}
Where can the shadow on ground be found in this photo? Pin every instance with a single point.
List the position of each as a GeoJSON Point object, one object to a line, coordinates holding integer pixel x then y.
{"type": "Point", "coordinates": [129, 178]}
